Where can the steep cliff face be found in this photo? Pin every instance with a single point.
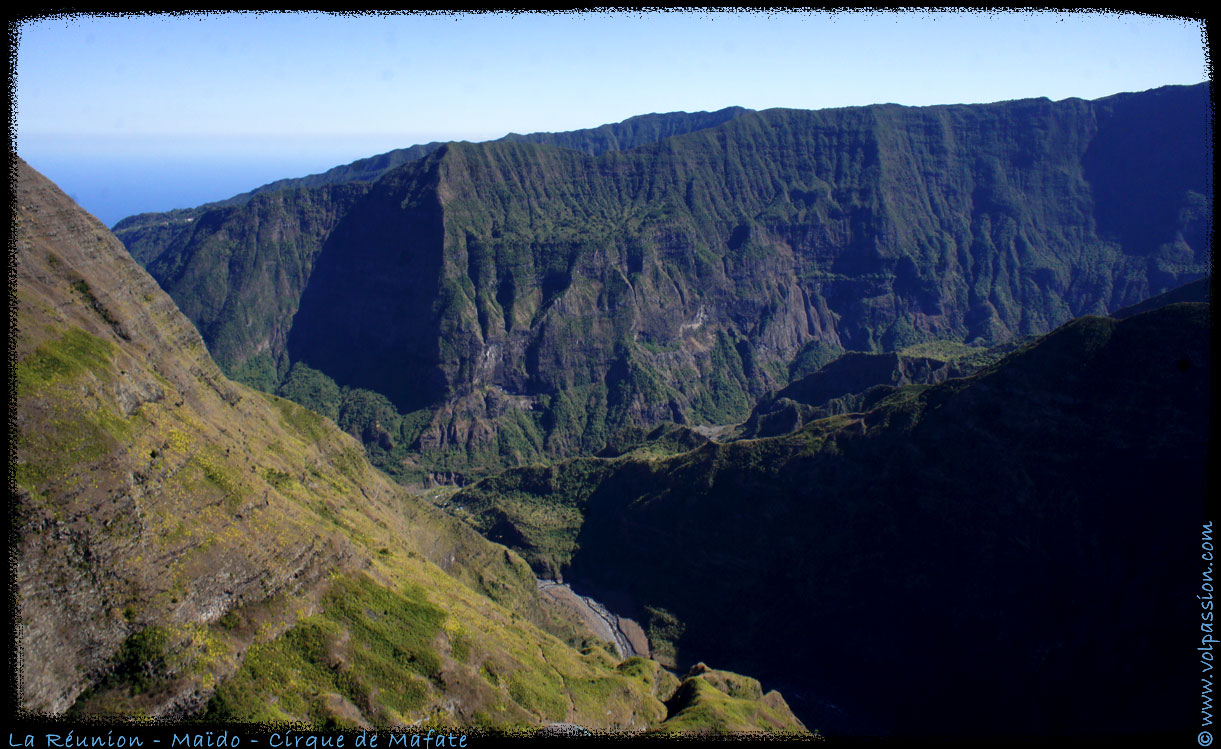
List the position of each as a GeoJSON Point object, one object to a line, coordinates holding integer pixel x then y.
{"type": "Point", "coordinates": [185, 545]}
{"type": "Point", "coordinates": [963, 558]}
{"type": "Point", "coordinates": [681, 278]}
{"type": "Point", "coordinates": [146, 234]}
{"type": "Point", "coordinates": [242, 270]}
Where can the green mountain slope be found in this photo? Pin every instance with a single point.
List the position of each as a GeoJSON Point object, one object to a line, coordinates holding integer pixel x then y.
{"type": "Point", "coordinates": [857, 380]}
{"type": "Point", "coordinates": [186, 546]}
{"type": "Point", "coordinates": [147, 234]}
{"type": "Point", "coordinates": [521, 301]}
{"type": "Point", "coordinates": [1196, 291]}
{"type": "Point", "coordinates": [963, 558]}
{"type": "Point", "coordinates": [632, 132]}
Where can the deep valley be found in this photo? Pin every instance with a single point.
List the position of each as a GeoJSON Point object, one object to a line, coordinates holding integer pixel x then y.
{"type": "Point", "coordinates": [904, 412]}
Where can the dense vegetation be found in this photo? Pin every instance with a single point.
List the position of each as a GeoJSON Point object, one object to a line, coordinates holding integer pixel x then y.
{"type": "Point", "coordinates": [535, 295]}
{"type": "Point", "coordinates": [648, 128]}
{"type": "Point", "coordinates": [856, 381]}
{"type": "Point", "coordinates": [949, 559]}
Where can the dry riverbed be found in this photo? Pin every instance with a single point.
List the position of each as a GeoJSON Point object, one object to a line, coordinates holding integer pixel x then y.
{"type": "Point", "coordinates": [626, 635]}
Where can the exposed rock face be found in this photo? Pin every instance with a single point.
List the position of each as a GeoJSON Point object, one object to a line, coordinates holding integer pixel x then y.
{"type": "Point", "coordinates": [677, 280]}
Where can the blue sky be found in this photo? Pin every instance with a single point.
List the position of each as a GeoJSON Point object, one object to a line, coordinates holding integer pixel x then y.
{"type": "Point", "coordinates": [134, 113]}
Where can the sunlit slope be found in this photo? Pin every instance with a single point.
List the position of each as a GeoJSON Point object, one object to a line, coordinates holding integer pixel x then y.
{"type": "Point", "coordinates": [187, 546]}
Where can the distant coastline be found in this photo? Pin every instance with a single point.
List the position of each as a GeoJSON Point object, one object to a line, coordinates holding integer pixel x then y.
{"type": "Point", "coordinates": [114, 177]}
{"type": "Point", "coordinates": [115, 187]}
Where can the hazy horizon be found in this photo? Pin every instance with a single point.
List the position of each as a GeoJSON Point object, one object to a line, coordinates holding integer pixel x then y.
{"type": "Point", "coordinates": [147, 113]}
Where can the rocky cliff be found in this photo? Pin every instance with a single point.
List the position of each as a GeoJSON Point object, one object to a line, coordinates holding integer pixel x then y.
{"type": "Point", "coordinates": [520, 300]}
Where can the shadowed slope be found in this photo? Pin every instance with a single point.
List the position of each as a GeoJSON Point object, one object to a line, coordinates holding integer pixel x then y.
{"type": "Point", "coordinates": [966, 558]}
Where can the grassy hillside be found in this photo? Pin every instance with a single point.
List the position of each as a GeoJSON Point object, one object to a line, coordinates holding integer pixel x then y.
{"type": "Point", "coordinates": [186, 546]}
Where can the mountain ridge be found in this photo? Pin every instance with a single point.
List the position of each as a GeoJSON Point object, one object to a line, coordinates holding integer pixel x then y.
{"type": "Point", "coordinates": [681, 279]}
{"type": "Point", "coordinates": [619, 135]}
